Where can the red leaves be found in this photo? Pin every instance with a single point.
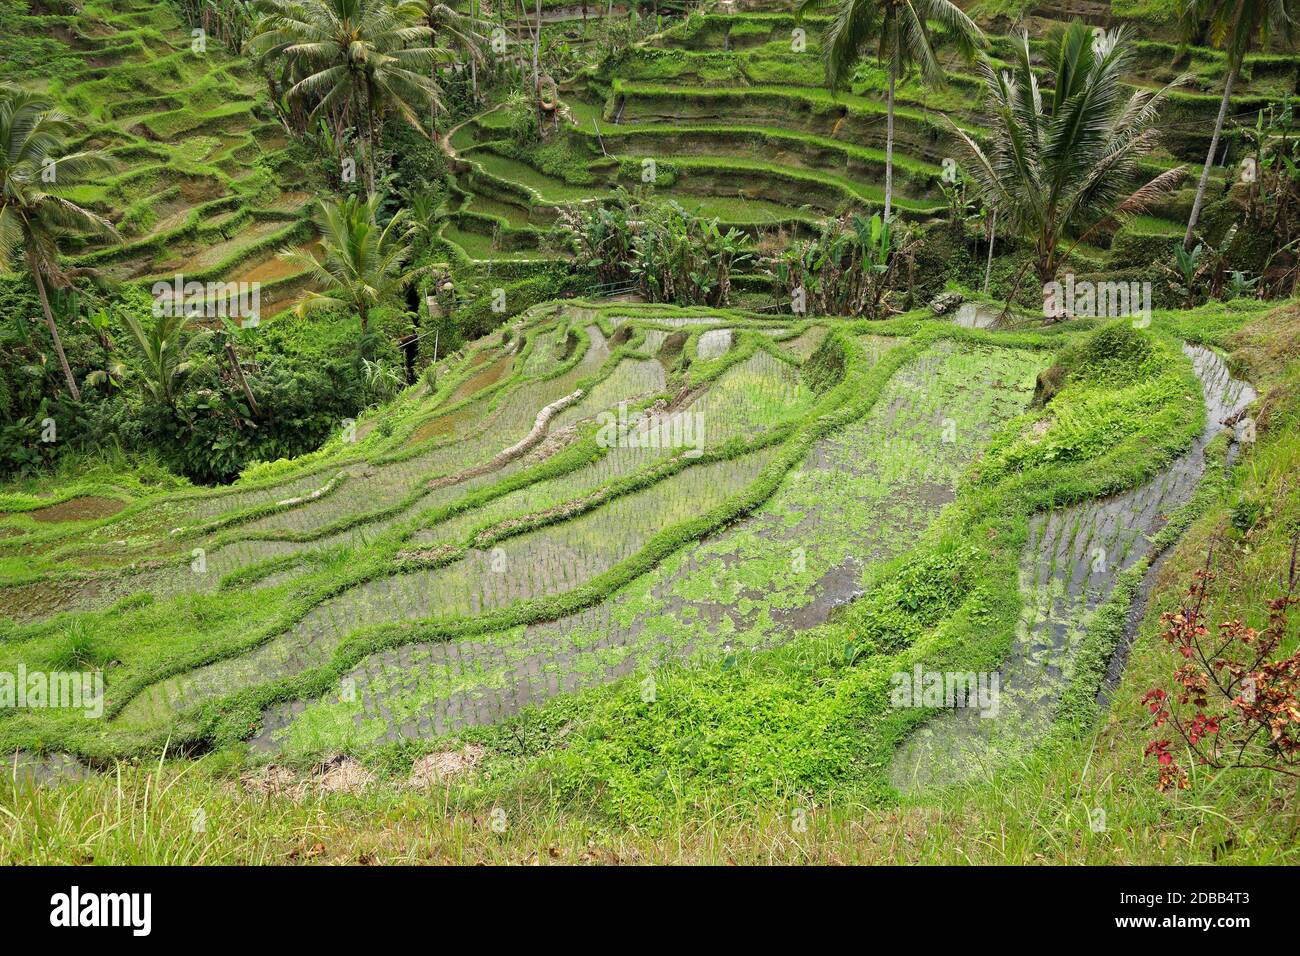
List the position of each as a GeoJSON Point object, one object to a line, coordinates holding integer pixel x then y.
{"type": "Point", "coordinates": [1170, 774]}
{"type": "Point", "coordinates": [1155, 701]}
{"type": "Point", "coordinates": [1161, 750]}
{"type": "Point", "coordinates": [1259, 697]}
{"type": "Point", "coordinates": [1200, 726]}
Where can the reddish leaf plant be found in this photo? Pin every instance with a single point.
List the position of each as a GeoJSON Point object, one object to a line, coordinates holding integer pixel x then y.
{"type": "Point", "coordinates": [1233, 699]}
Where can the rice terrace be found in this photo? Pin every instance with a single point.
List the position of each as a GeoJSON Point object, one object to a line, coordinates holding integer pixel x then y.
{"type": "Point", "coordinates": [684, 431]}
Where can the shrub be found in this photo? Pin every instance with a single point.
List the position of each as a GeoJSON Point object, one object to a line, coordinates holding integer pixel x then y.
{"type": "Point", "coordinates": [913, 596]}
{"type": "Point", "coordinates": [1233, 700]}
{"type": "Point", "coordinates": [523, 124]}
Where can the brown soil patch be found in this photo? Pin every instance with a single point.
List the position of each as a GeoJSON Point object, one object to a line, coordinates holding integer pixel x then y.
{"type": "Point", "coordinates": [78, 509]}
{"type": "Point", "coordinates": [437, 768]}
{"type": "Point", "coordinates": [481, 379]}
{"type": "Point", "coordinates": [442, 425]}
{"type": "Point", "coordinates": [203, 189]}
{"type": "Point", "coordinates": [273, 267]}
{"type": "Point", "coordinates": [274, 781]}
{"type": "Point", "coordinates": [337, 775]}
{"type": "Point", "coordinates": [447, 424]}
{"type": "Point", "coordinates": [344, 775]}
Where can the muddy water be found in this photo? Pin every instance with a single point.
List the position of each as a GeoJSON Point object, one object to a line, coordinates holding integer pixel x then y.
{"type": "Point", "coordinates": [630, 380]}
{"type": "Point", "coordinates": [511, 418]}
{"type": "Point", "coordinates": [445, 425]}
{"type": "Point", "coordinates": [976, 315]}
{"type": "Point", "coordinates": [42, 770]}
{"type": "Point", "coordinates": [713, 343]}
{"type": "Point", "coordinates": [40, 599]}
{"type": "Point", "coordinates": [1068, 569]}
{"type": "Point", "coordinates": [807, 342]}
{"type": "Point", "coordinates": [547, 561]}
{"type": "Point", "coordinates": [273, 267]}
{"type": "Point", "coordinates": [205, 257]}
{"type": "Point", "coordinates": [449, 424]}
{"type": "Point", "coordinates": [163, 580]}
{"type": "Point", "coordinates": [481, 379]}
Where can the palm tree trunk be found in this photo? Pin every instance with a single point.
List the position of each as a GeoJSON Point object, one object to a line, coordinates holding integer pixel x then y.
{"type": "Point", "coordinates": [1209, 159]}
{"type": "Point", "coordinates": [370, 151]}
{"type": "Point", "coordinates": [988, 266]}
{"type": "Point", "coordinates": [370, 144]}
{"type": "Point", "coordinates": [238, 370]}
{"type": "Point", "coordinates": [537, 48]}
{"type": "Point", "coordinates": [54, 331]}
{"type": "Point", "coordinates": [1218, 127]}
{"type": "Point", "coordinates": [889, 145]}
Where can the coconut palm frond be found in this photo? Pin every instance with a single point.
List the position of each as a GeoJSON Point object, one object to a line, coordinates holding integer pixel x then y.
{"type": "Point", "coordinates": [1063, 165]}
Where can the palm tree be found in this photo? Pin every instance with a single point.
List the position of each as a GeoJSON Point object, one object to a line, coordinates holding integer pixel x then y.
{"type": "Point", "coordinates": [32, 142]}
{"type": "Point", "coordinates": [164, 354]}
{"type": "Point", "coordinates": [366, 55]}
{"type": "Point", "coordinates": [1232, 26]}
{"type": "Point", "coordinates": [363, 264]}
{"type": "Point", "coordinates": [459, 37]}
{"type": "Point", "coordinates": [1061, 164]}
{"type": "Point", "coordinates": [900, 31]}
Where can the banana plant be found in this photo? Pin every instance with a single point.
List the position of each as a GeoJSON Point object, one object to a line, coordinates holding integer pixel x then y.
{"type": "Point", "coordinates": [114, 371]}
{"type": "Point", "coordinates": [1187, 272]}
{"type": "Point", "coordinates": [1239, 287]}
{"type": "Point", "coordinates": [163, 355]}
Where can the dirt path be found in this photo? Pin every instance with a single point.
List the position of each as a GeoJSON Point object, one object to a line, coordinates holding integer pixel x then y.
{"type": "Point", "coordinates": [445, 139]}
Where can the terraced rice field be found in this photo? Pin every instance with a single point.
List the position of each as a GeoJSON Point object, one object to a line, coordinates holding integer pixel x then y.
{"type": "Point", "coordinates": [602, 495]}
{"type": "Point", "coordinates": [732, 108]}
{"type": "Point", "coordinates": [415, 585]}
{"type": "Point", "coordinates": [200, 185]}
{"type": "Point", "coordinates": [1071, 564]}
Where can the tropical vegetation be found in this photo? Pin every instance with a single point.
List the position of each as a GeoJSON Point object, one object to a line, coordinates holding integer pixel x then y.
{"type": "Point", "coordinates": [659, 432]}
